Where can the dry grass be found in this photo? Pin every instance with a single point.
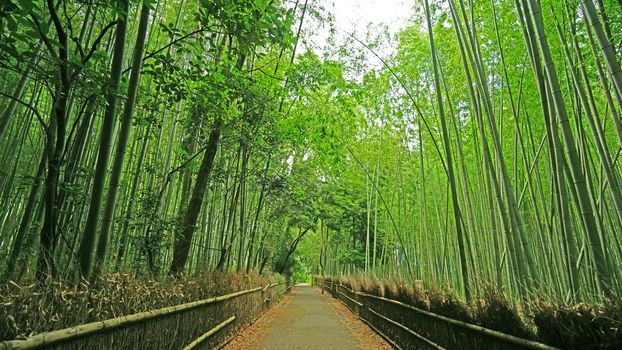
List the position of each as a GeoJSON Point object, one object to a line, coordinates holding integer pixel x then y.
{"type": "Point", "coordinates": [579, 326]}
{"type": "Point", "coordinates": [495, 311]}
{"type": "Point", "coordinates": [372, 286]}
{"type": "Point", "coordinates": [29, 309]}
{"type": "Point", "coordinates": [448, 304]}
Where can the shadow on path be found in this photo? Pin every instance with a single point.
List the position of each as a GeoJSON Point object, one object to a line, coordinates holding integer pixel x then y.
{"type": "Point", "coordinates": [309, 320]}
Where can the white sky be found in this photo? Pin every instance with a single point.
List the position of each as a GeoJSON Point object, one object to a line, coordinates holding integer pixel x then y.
{"type": "Point", "coordinates": [355, 16]}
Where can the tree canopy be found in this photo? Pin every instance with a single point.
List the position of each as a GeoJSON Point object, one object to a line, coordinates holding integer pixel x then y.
{"type": "Point", "coordinates": [170, 137]}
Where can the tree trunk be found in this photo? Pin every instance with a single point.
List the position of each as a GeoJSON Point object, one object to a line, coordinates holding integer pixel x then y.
{"type": "Point", "coordinates": [449, 162]}
{"type": "Point", "coordinates": [183, 237]}
{"type": "Point", "coordinates": [89, 236]}
{"type": "Point", "coordinates": [124, 133]}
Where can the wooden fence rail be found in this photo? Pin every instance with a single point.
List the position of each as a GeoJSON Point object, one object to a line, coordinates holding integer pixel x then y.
{"type": "Point", "coordinates": [186, 323]}
{"type": "Point", "coordinates": [208, 334]}
{"type": "Point", "coordinates": [408, 327]}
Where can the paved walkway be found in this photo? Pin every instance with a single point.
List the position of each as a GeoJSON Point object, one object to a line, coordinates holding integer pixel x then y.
{"type": "Point", "coordinates": [309, 320]}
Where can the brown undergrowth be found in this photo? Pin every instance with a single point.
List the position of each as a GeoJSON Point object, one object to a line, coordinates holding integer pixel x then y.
{"type": "Point", "coordinates": [579, 326]}
{"type": "Point", "coordinates": [29, 309]}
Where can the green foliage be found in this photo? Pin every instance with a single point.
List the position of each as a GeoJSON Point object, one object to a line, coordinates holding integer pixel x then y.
{"type": "Point", "coordinates": [330, 162]}
{"type": "Point", "coordinates": [352, 257]}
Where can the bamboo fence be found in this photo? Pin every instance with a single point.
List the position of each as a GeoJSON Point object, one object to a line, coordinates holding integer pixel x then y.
{"type": "Point", "coordinates": [408, 327]}
{"type": "Point", "coordinates": [168, 327]}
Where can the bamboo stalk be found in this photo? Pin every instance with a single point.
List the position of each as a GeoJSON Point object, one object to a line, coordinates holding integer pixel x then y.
{"type": "Point", "coordinates": [209, 333]}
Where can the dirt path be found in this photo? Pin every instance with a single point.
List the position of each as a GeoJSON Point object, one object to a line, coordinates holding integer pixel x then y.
{"type": "Point", "coordinates": [307, 319]}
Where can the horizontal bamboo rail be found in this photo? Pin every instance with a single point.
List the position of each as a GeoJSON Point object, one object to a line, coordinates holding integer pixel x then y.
{"type": "Point", "coordinates": [417, 335]}
{"type": "Point", "coordinates": [529, 344]}
{"type": "Point", "coordinates": [207, 334]}
{"type": "Point", "coordinates": [382, 335]}
{"type": "Point", "coordinates": [352, 300]}
{"type": "Point", "coordinates": [66, 334]}
{"type": "Point", "coordinates": [224, 344]}
{"type": "Point", "coordinates": [285, 291]}
{"type": "Point", "coordinates": [475, 328]}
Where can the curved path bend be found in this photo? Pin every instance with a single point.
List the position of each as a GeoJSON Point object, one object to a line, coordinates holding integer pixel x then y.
{"type": "Point", "coordinates": [307, 319]}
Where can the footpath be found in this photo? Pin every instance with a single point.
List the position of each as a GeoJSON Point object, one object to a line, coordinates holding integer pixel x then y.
{"type": "Point", "coordinates": [307, 319]}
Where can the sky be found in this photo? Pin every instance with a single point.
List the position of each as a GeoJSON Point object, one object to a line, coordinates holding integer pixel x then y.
{"type": "Point", "coordinates": [356, 15]}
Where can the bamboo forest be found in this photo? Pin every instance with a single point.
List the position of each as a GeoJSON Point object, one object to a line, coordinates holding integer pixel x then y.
{"type": "Point", "coordinates": [188, 173]}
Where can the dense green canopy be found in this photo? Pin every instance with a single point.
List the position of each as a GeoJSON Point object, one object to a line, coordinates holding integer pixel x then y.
{"type": "Point", "coordinates": [168, 137]}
